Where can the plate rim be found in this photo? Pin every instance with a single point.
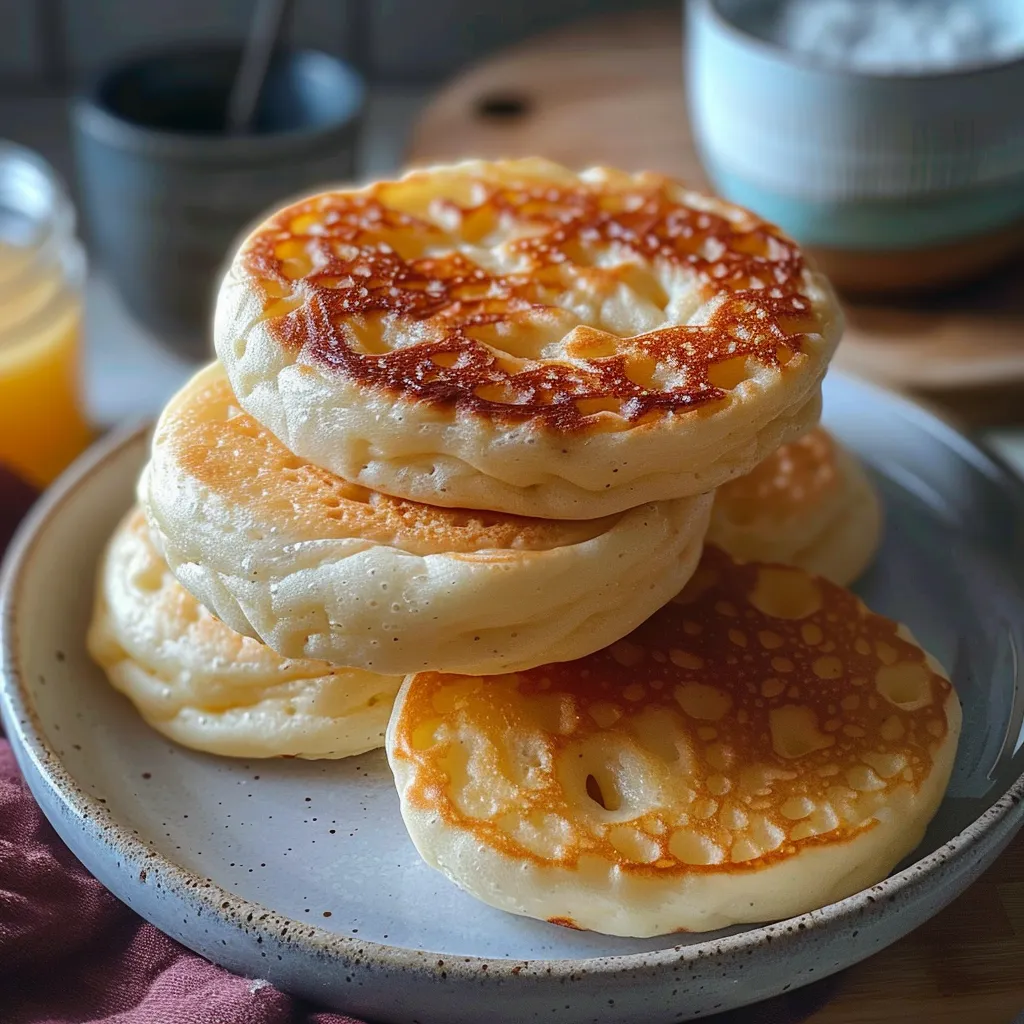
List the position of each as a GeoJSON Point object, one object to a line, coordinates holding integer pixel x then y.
{"type": "Point", "coordinates": [99, 825]}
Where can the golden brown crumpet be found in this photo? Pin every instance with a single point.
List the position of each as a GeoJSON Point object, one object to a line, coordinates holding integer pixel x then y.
{"type": "Point", "coordinates": [518, 337]}
{"type": "Point", "coordinates": [762, 746]}
{"type": "Point", "coordinates": [203, 686]}
{"type": "Point", "coordinates": [809, 504]}
{"type": "Point", "coordinates": [317, 567]}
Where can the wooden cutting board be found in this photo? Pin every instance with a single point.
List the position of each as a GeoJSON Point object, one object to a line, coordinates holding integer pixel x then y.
{"type": "Point", "coordinates": [611, 90]}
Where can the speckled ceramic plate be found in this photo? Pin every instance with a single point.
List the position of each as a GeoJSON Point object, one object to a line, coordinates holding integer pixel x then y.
{"type": "Point", "coordinates": [302, 873]}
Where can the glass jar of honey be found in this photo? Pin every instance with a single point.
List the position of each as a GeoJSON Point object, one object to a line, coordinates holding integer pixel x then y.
{"type": "Point", "coordinates": [42, 272]}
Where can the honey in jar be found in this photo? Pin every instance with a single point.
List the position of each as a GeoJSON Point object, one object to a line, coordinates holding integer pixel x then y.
{"type": "Point", "coordinates": [42, 425]}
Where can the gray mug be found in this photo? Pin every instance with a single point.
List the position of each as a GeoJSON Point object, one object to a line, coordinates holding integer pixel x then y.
{"type": "Point", "coordinates": [166, 191]}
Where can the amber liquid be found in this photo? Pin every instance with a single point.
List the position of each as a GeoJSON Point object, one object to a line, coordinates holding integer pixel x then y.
{"type": "Point", "coordinates": [42, 425]}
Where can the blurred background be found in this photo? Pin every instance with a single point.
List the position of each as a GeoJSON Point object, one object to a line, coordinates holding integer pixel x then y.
{"type": "Point", "coordinates": [886, 135]}
{"type": "Point", "coordinates": [51, 50]}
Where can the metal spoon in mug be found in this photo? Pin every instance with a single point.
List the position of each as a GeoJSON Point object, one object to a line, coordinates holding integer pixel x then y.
{"type": "Point", "coordinates": [264, 33]}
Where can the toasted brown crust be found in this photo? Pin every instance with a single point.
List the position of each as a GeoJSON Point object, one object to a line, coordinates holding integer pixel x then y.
{"type": "Point", "coordinates": [337, 272]}
{"type": "Point", "coordinates": [795, 477]}
{"type": "Point", "coordinates": [763, 712]}
{"type": "Point", "coordinates": [228, 452]}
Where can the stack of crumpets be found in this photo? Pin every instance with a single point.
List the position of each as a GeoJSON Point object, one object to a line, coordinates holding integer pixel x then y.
{"type": "Point", "coordinates": [451, 478]}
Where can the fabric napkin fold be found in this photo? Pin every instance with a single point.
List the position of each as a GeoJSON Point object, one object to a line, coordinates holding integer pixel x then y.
{"type": "Point", "coordinates": [71, 953]}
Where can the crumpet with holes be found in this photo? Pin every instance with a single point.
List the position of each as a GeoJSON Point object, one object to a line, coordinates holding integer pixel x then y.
{"type": "Point", "coordinates": [809, 504]}
{"type": "Point", "coordinates": [206, 687]}
{"type": "Point", "coordinates": [317, 567]}
{"type": "Point", "coordinates": [518, 337]}
{"type": "Point", "coordinates": [762, 746]}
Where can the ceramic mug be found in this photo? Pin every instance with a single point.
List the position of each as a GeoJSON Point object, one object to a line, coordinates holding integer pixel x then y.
{"type": "Point", "coordinates": [166, 191]}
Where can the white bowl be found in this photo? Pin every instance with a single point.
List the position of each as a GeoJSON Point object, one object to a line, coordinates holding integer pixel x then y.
{"type": "Point", "coordinates": [847, 160]}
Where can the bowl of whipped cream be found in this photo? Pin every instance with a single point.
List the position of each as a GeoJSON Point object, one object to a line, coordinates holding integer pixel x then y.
{"type": "Point", "coordinates": [887, 135]}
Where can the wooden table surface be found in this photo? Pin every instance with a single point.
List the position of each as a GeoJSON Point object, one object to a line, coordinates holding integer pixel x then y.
{"type": "Point", "coordinates": [611, 91]}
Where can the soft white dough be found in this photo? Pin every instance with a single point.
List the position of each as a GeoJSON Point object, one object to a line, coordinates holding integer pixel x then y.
{"type": "Point", "coordinates": [206, 687]}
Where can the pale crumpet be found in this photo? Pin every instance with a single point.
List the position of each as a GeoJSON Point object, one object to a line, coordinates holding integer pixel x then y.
{"type": "Point", "coordinates": [206, 687]}
{"type": "Point", "coordinates": [519, 337]}
{"type": "Point", "coordinates": [317, 567]}
{"type": "Point", "coordinates": [809, 504]}
{"type": "Point", "coordinates": [762, 746]}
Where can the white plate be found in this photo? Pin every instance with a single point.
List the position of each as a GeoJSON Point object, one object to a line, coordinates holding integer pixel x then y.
{"type": "Point", "coordinates": [302, 873]}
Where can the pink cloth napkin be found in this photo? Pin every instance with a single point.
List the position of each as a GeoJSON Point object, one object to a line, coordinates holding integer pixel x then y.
{"type": "Point", "coordinates": [71, 953]}
{"type": "Point", "coordinates": [16, 499]}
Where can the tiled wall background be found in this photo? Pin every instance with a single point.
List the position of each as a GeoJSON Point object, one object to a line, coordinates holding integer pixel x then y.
{"type": "Point", "coordinates": [50, 44]}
